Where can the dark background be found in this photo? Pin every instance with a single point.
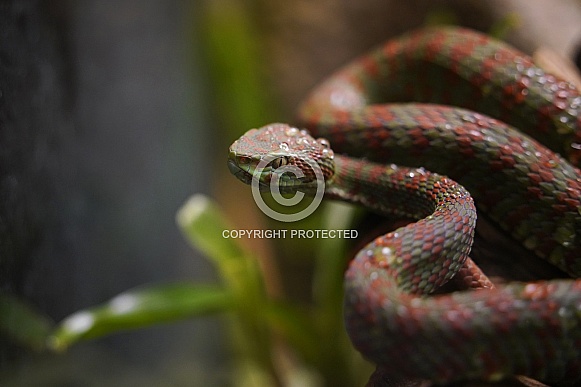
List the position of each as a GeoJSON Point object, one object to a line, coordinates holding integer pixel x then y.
{"type": "Point", "coordinates": [103, 136]}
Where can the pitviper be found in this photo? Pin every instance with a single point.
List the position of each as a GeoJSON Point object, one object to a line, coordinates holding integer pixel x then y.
{"type": "Point", "coordinates": [532, 193]}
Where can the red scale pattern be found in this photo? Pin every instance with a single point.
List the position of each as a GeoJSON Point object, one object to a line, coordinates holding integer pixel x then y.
{"type": "Point", "coordinates": [531, 329]}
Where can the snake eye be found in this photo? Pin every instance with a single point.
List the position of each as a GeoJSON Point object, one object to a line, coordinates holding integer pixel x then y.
{"type": "Point", "coordinates": [279, 162]}
{"type": "Point", "coordinates": [323, 142]}
{"type": "Point", "coordinates": [244, 160]}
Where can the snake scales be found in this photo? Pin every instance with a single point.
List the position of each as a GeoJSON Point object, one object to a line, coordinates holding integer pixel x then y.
{"type": "Point", "coordinates": [532, 193]}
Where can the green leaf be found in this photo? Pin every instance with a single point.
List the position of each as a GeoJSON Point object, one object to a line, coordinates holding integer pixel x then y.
{"type": "Point", "coordinates": [203, 224]}
{"type": "Point", "coordinates": [139, 308]}
{"type": "Point", "coordinates": [22, 323]}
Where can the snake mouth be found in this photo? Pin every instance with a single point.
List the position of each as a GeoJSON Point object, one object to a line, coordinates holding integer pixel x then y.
{"type": "Point", "coordinates": [241, 174]}
{"type": "Point", "coordinates": [245, 176]}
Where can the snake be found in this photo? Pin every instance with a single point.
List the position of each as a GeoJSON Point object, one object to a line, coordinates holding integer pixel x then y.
{"type": "Point", "coordinates": [436, 125]}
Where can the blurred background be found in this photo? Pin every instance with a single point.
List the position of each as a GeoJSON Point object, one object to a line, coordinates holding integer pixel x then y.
{"type": "Point", "coordinates": [112, 113]}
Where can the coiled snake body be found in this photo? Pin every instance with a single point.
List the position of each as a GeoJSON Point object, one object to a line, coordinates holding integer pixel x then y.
{"type": "Point", "coordinates": [531, 329]}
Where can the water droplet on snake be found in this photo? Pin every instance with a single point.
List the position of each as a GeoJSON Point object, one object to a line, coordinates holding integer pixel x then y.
{"type": "Point", "coordinates": [328, 153]}
{"type": "Point", "coordinates": [292, 132]}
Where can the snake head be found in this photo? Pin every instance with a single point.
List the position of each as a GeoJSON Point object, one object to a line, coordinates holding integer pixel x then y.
{"type": "Point", "coordinates": [290, 157]}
